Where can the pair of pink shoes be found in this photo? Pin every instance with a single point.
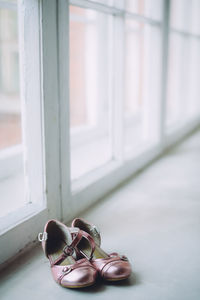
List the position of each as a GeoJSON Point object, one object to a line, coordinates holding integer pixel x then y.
{"type": "Point", "coordinates": [76, 257]}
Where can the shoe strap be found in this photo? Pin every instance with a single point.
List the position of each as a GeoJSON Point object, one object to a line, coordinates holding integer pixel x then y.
{"type": "Point", "coordinates": [92, 229]}
{"type": "Point", "coordinates": [91, 241]}
{"type": "Point", "coordinates": [68, 250]}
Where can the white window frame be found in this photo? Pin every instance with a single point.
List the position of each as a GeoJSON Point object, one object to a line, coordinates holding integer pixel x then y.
{"type": "Point", "coordinates": [38, 39]}
{"type": "Point", "coordinates": [46, 38]}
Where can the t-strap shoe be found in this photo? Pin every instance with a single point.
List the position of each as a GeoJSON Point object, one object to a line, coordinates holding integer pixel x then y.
{"type": "Point", "coordinates": [111, 267]}
{"type": "Point", "coordinates": [59, 245]}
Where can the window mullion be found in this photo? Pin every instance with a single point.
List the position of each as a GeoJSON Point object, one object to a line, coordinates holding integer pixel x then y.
{"type": "Point", "coordinates": [29, 41]}
{"type": "Point", "coordinates": [51, 107]}
{"type": "Point", "coordinates": [164, 82]}
{"type": "Point", "coordinates": [64, 109]}
{"type": "Point", "coordinates": [118, 85]}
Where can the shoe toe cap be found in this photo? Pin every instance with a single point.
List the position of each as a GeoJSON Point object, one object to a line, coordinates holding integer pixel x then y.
{"type": "Point", "coordinates": [117, 271]}
{"type": "Point", "coordinates": [79, 277]}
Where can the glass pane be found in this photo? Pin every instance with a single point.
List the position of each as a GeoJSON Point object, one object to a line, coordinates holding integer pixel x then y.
{"type": "Point", "coordinates": [181, 14]}
{"type": "Point", "coordinates": [185, 15]}
{"type": "Point", "coordinates": [195, 24]}
{"type": "Point", "coordinates": [176, 89]}
{"type": "Point", "coordinates": [11, 159]}
{"type": "Point", "coordinates": [142, 84]}
{"type": "Point", "coordinates": [89, 90]}
{"type": "Point", "coordinates": [10, 115]}
{"type": "Point", "coordinates": [78, 105]}
{"type": "Point", "coordinates": [184, 61]}
{"type": "Point", "coordinates": [148, 8]}
{"type": "Point", "coordinates": [183, 79]}
{"type": "Point", "coordinates": [194, 75]}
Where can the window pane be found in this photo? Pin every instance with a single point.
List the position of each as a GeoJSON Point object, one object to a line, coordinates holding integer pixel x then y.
{"type": "Point", "coordinates": [185, 15]}
{"type": "Point", "coordinates": [180, 14]}
{"type": "Point", "coordinates": [184, 62]}
{"type": "Point", "coordinates": [89, 90]}
{"type": "Point", "coordinates": [194, 75]}
{"type": "Point", "coordinates": [149, 8]}
{"type": "Point", "coordinates": [176, 87]}
{"type": "Point", "coordinates": [142, 84]}
{"type": "Point", "coordinates": [11, 158]}
{"type": "Point", "coordinates": [195, 22]}
{"type": "Point", "coordinates": [183, 74]}
{"type": "Point", "coordinates": [78, 105]}
{"type": "Point", "coordinates": [10, 114]}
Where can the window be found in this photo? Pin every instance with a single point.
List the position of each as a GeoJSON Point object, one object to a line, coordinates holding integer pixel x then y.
{"type": "Point", "coordinates": [142, 77]}
{"type": "Point", "coordinates": [93, 75]}
{"type": "Point", "coordinates": [20, 118]}
{"type": "Point", "coordinates": [11, 161]}
{"type": "Point", "coordinates": [90, 113]}
{"type": "Point", "coordinates": [21, 164]}
{"type": "Point", "coordinates": [90, 92]}
{"type": "Point", "coordinates": [184, 44]}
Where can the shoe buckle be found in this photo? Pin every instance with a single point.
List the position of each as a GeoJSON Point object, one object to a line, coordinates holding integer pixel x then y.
{"type": "Point", "coordinates": [42, 236]}
{"type": "Point", "coordinates": [68, 250]}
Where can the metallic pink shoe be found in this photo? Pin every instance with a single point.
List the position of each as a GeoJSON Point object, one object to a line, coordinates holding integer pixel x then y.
{"type": "Point", "coordinates": [59, 245]}
{"type": "Point", "coordinates": [111, 267]}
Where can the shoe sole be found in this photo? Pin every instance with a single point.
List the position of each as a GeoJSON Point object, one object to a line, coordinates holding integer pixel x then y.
{"type": "Point", "coordinates": [119, 279]}
{"type": "Point", "coordinates": [78, 286]}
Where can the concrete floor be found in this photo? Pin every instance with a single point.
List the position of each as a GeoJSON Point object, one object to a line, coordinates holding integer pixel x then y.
{"type": "Point", "coordinates": [154, 219]}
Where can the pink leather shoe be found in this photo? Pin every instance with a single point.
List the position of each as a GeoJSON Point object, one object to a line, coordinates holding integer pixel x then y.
{"type": "Point", "coordinates": [111, 267]}
{"type": "Point", "coordinates": [59, 244]}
